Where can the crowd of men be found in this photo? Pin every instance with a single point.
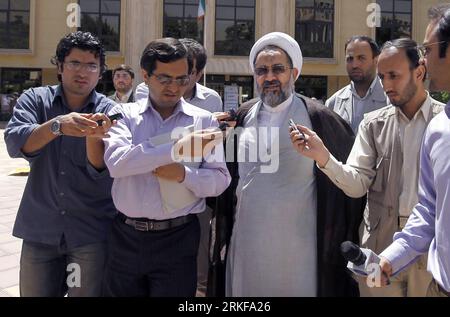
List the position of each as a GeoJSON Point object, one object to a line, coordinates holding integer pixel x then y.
{"type": "Point", "coordinates": [174, 197]}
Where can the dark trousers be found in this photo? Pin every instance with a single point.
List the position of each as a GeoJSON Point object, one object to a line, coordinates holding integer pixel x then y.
{"type": "Point", "coordinates": [204, 219]}
{"type": "Point", "coordinates": [54, 271]}
{"type": "Point", "coordinates": [153, 263]}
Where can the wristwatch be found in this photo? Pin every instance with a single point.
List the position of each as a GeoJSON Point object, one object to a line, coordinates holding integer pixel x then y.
{"type": "Point", "coordinates": [56, 127]}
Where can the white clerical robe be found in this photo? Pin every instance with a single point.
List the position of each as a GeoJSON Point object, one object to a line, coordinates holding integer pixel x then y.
{"type": "Point", "coordinates": [273, 250]}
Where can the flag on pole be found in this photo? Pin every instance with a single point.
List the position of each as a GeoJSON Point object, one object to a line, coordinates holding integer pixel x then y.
{"type": "Point", "coordinates": [201, 9]}
{"type": "Point", "coordinates": [201, 21]}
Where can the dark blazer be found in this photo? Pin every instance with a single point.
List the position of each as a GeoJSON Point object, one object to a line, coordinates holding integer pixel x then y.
{"type": "Point", "coordinates": [338, 216]}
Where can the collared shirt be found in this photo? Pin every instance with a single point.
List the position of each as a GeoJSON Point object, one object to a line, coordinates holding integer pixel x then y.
{"type": "Point", "coordinates": [204, 97]}
{"type": "Point", "coordinates": [356, 176]}
{"type": "Point", "coordinates": [428, 227]}
{"type": "Point", "coordinates": [141, 91]}
{"type": "Point", "coordinates": [350, 107]}
{"type": "Point", "coordinates": [273, 117]}
{"type": "Point", "coordinates": [411, 134]}
{"type": "Point", "coordinates": [124, 98]}
{"type": "Point", "coordinates": [64, 194]}
{"type": "Point", "coordinates": [360, 105]}
{"type": "Point", "coordinates": [132, 157]}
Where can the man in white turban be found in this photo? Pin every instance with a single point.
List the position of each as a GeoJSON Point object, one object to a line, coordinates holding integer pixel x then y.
{"type": "Point", "coordinates": [288, 222]}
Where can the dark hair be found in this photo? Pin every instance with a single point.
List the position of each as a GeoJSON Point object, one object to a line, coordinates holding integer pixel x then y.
{"type": "Point", "coordinates": [84, 41]}
{"type": "Point", "coordinates": [197, 51]}
{"type": "Point", "coordinates": [411, 51]}
{"type": "Point", "coordinates": [362, 38]}
{"type": "Point", "coordinates": [441, 14]}
{"type": "Point", "coordinates": [124, 67]}
{"type": "Point", "coordinates": [274, 47]}
{"type": "Point", "coordinates": [165, 51]}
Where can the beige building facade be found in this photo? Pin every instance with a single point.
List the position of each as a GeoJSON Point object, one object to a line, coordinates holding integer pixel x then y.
{"type": "Point", "coordinates": [141, 21]}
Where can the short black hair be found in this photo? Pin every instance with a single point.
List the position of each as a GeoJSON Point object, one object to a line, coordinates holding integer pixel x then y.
{"type": "Point", "coordinates": [164, 50]}
{"type": "Point", "coordinates": [363, 38]}
{"type": "Point", "coordinates": [124, 67]}
{"type": "Point", "coordinates": [84, 41]}
{"type": "Point", "coordinates": [198, 52]}
{"type": "Point", "coordinates": [411, 51]}
{"type": "Point", "coordinates": [441, 15]}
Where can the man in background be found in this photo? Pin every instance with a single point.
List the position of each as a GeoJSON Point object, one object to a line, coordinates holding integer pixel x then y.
{"type": "Point", "coordinates": [123, 78]}
{"type": "Point", "coordinates": [364, 93]}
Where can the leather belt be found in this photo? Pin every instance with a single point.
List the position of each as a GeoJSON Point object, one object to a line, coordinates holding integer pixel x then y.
{"type": "Point", "coordinates": [142, 224]}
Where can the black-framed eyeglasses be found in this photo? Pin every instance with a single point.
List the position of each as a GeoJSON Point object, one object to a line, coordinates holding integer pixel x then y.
{"type": "Point", "coordinates": [77, 66]}
{"type": "Point", "coordinates": [167, 80]}
{"type": "Point", "coordinates": [276, 70]}
{"type": "Point", "coordinates": [425, 50]}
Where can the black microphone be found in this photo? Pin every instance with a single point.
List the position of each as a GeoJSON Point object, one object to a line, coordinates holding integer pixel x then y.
{"type": "Point", "coordinates": [352, 253]}
{"type": "Point", "coordinates": [360, 260]}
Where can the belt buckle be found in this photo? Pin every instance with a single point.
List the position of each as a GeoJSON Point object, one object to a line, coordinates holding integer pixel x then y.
{"type": "Point", "coordinates": [142, 226]}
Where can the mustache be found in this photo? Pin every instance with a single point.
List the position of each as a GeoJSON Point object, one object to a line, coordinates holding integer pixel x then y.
{"type": "Point", "coordinates": [267, 84]}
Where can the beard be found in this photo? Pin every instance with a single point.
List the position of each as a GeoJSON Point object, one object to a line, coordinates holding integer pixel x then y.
{"type": "Point", "coordinates": [275, 98]}
{"type": "Point", "coordinates": [362, 77]}
{"type": "Point", "coordinates": [407, 94]}
{"type": "Point", "coordinates": [124, 89]}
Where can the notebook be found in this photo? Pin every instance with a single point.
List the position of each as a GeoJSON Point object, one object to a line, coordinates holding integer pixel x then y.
{"type": "Point", "coordinates": [174, 195]}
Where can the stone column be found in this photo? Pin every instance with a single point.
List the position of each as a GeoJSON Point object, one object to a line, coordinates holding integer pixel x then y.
{"type": "Point", "coordinates": [144, 19]}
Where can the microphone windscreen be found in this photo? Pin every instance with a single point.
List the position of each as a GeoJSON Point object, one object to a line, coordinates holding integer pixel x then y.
{"type": "Point", "coordinates": [352, 253]}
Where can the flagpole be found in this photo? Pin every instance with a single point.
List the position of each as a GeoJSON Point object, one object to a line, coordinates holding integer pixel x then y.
{"type": "Point", "coordinates": [204, 43]}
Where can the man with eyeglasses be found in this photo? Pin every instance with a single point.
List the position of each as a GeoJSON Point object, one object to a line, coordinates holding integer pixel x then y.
{"type": "Point", "coordinates": [288, 224]}
{"type": "Point", "coordinates": [123, 77]}
{"type": "Point", "coordinates": [66, 209]}
{"type": "Point", "coordinates": [207, 99]}
{"type": "Point", "coordinates": [364, 93]}
{"type": "Point", "coordinates": [196, 94]}
{"type": "Point", "coordinates": [154, 242]}
{"type": "Point", "coordinates": [428, 227]}
{"type": "Point", "coordinates": [384, 161]}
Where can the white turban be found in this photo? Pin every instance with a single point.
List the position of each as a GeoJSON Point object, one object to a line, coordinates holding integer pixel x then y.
{"type": "Point", "coordinates": [283, 41]}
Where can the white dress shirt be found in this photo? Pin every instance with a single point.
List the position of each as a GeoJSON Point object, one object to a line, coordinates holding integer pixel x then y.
{"type": "Point", "coordinates": [411, 134]}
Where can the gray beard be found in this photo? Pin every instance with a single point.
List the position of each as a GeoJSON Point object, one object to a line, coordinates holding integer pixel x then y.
{"type": "Point", "coordinates": [273, 99]}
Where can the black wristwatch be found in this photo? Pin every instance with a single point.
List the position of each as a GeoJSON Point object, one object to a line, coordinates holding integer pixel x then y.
{"type": "Point", "coordinates": [56, 126]}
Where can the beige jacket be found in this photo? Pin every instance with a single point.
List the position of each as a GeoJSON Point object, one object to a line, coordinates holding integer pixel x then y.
{"type": "Point", "coordinates": [375, 167]}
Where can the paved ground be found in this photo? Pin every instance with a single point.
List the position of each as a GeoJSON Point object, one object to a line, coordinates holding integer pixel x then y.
{"type": "Point", "coordinates": [11, 190]}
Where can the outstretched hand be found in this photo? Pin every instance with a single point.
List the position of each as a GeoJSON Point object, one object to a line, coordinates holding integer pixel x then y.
{"type": "Point", "coordinates": [310, 146]}
{"type": "Point", "coordinates": [85, 125]}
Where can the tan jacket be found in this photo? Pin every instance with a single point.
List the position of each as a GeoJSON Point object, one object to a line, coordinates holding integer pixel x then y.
{"type": "Point", "coordinates": [380, 224]}
{"type": "Point", "coordinates": [378, 174]}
